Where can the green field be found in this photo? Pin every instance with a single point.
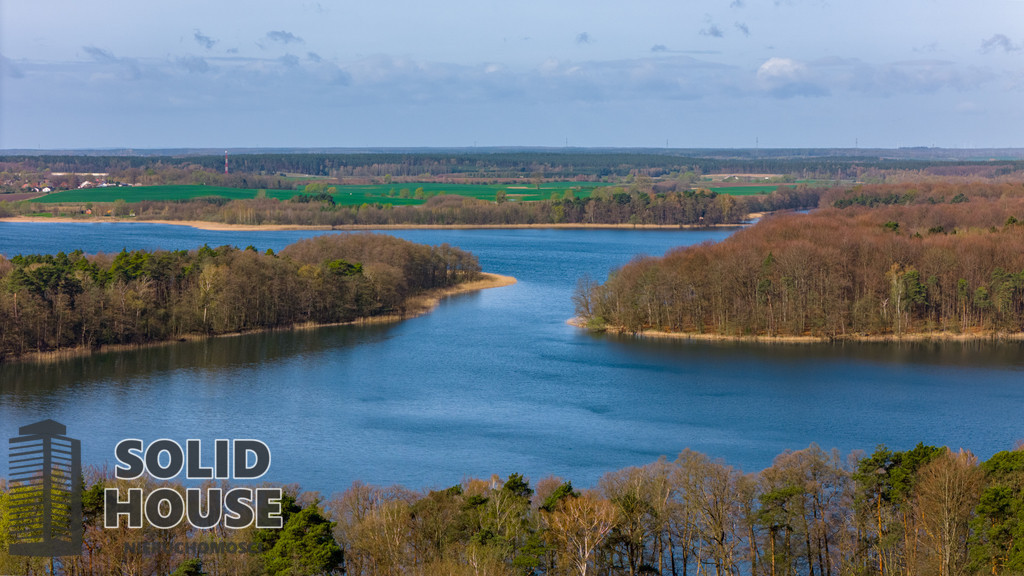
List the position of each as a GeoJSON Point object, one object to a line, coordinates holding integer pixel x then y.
{"type": "Point", "coordinates": [345, 195]}
{"type": "Point", "coordinates": [356, 195]}
{"type": "Point", "coordinates": [751, 190]}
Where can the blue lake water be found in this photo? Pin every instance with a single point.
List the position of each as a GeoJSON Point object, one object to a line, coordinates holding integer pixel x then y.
{"type": "Point", "coordinates": [497, 382]}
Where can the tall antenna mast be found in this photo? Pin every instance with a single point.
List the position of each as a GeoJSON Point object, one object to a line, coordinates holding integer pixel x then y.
{"type": "Point", "coordinates": [225, 161]}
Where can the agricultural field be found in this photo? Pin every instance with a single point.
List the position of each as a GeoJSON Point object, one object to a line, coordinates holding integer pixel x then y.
{"type": "Point", "coordinates": [745, 189]}
{"type": "Point", "coordinates": [396, 194]}
{"type": "Point", "coordinates": [19, 196]}
{"type": "Point", "coordinates": [384, 193]}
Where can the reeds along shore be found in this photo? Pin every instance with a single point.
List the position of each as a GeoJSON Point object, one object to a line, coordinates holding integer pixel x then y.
{"type": "Point", "coordinates": [766, 339]}
{"type": "Point", "coordinates": [806, 339]}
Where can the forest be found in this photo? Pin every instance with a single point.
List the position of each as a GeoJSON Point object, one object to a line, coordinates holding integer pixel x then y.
{"type": "Point", "coordinates": [564, 164]}
{"type": "Point", "coordinates": [944, 259]}
{"type": "Point", "coordinates": [285, 169]}
{"type": "Point", "coordinates": [54, 302]}
{"type": "Point", "coordinates": [923, 511]}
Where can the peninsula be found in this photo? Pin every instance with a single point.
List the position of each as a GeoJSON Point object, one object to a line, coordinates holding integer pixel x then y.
{"type": "Point", "coordinates": [73, 303]}
{"type": "Point", "coordinates": [885, 262]}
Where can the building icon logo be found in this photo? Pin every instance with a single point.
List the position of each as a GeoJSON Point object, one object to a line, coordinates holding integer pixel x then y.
{"type": "Point", "coordinates": [45, 500]}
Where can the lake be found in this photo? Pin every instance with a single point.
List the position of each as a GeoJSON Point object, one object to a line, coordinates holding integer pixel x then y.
{"type": "Point", "coordinates": [496, 382]}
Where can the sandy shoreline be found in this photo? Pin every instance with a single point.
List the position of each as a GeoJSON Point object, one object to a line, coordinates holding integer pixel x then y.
{"type": "Point", "coordinates": [879, 338]}
{"type": "Point", "coordinates": [417, 306]}
{"type": "Point", "coordinates": [221, 227]}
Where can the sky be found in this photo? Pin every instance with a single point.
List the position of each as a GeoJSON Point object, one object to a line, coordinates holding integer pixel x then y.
{"type": "Point", "coordinates": [582, 73]}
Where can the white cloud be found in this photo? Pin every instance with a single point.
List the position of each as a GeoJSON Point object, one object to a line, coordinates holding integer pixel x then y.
{"type": "Point", "coordinates": [198, 58]}
{"type": "Point", "coordinates": [906, 77]}
{"type": "Point", "coordinates": [194, 87]}
{"type": "Point", "coordinates": [786, 78]}
{"type": "Point", "coordinates": [784, 69]}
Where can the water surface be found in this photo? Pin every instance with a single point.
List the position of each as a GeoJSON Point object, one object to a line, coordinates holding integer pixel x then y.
{"type": "Point", "coordinates": [496, 382]}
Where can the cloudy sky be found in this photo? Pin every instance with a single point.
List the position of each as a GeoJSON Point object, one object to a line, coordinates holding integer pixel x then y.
{"type": "Point", "coordinates": [687, 73]}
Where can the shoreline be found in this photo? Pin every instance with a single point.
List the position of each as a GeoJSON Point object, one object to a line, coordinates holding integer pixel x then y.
{"type": "Point", "coordinates": [854, 338]}
{"type": "Point", "coordinates": [416, 306]}
{"type": "Point", "coordinates": [222, 227]}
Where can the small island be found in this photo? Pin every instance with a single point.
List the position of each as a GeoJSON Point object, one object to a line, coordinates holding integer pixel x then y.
{"type": "Point", "coordinates": [65, 304]}
{"type": "Point", "coordinates": [883, 262]}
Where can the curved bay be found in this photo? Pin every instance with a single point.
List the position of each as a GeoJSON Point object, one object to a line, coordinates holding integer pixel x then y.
{"type": "Point", "coordinates": [496, 382]}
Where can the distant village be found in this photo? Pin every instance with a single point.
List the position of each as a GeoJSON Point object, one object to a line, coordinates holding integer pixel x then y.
{"type": "Point", "coordinates": [46, 186]}
{"type": "Point", "coordinates": [62, 181]}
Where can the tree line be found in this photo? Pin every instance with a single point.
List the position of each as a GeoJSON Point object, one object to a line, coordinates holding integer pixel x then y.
{"type": "Point", "coordinates": [608, 205]}
{"type": "Point", "coordinates": [52, 302]}
{"type": "Point", "coordinates": [923, 511]}
{"type": "Point", "coordinates": [258, 169]}
{"type": "Point", "coordinates": [887, 260]}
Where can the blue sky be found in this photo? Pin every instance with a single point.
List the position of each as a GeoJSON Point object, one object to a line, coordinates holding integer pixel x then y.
{"type": "Point", "coordinates": [689, 73]}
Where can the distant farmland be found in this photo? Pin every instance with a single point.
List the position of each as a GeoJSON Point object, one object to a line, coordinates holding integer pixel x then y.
{"type": "Point", "coordinates": [346, 195]}
{"type": "Point", "coordinates": [396, 194]}
{"type": "Point", "coordinates": [745, 189]}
